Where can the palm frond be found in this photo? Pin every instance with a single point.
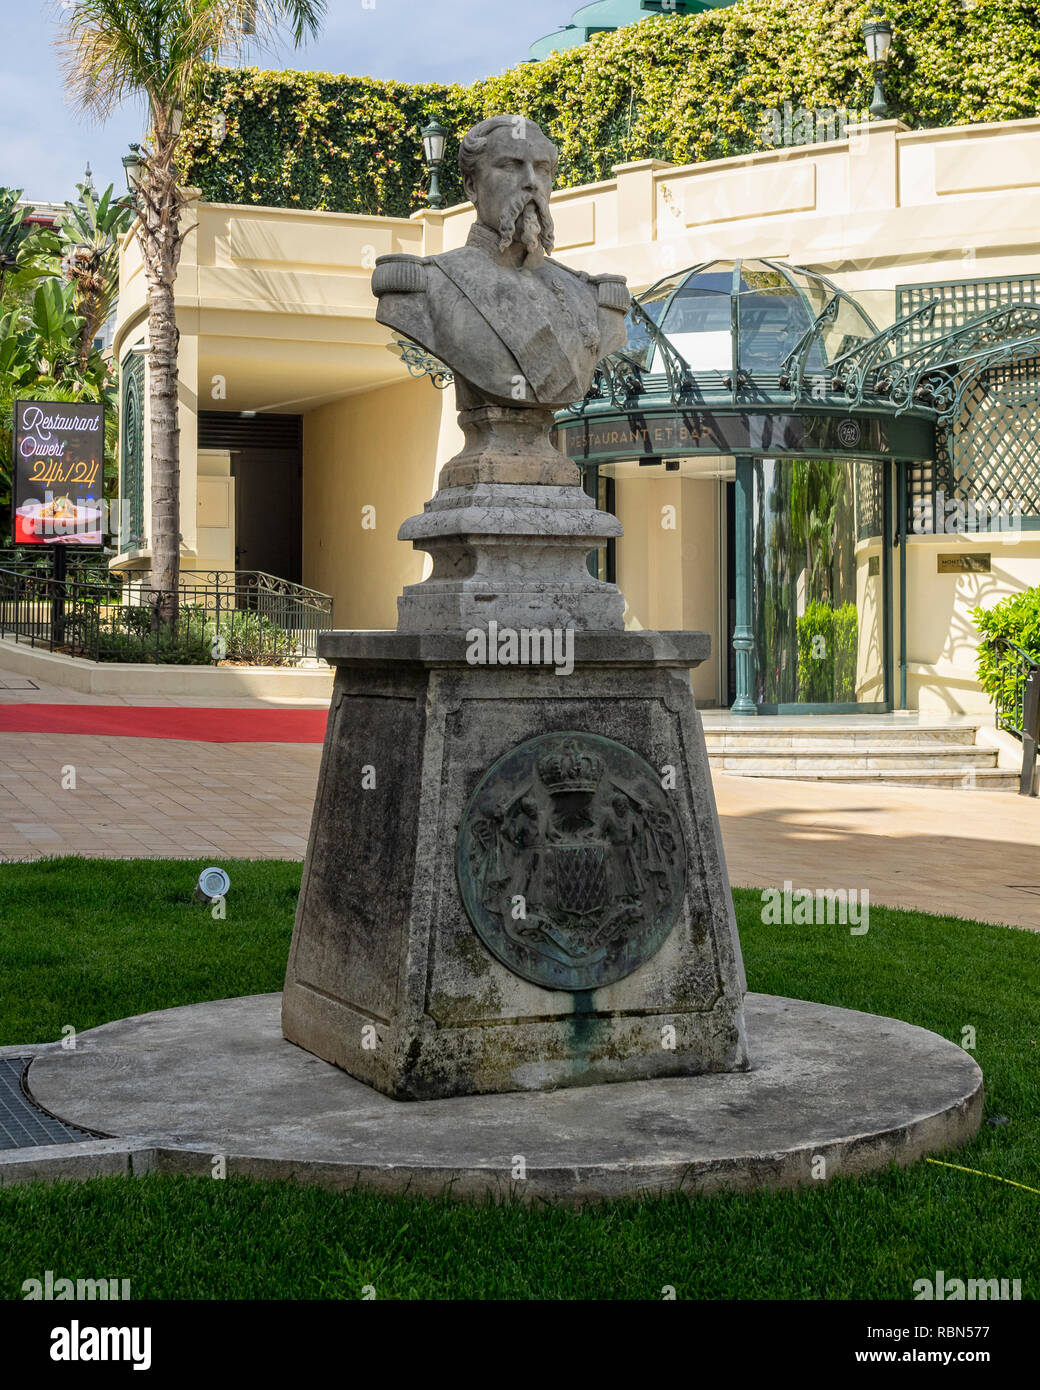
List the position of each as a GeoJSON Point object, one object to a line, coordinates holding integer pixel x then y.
{"type": "Point", "coordinates": [115, 49]}
{"type": "Point", "coordinates": [303, 17]}
{"type": "Point", "coordinates": [260, 19]}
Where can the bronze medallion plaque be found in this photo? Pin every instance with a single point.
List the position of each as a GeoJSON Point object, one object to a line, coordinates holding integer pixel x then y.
{"type": "Point", "coordinates": [571, 862]}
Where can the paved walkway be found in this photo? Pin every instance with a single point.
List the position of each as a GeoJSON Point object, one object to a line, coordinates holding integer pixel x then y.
{"type": "Point", "coordinates": [151, 797]}
{"type": "Point", "coordinates": [16, 689]}
{"type": "Point", "coordinates": [972, 853]}
{"type": "Point", "coordinates": [154, 797]}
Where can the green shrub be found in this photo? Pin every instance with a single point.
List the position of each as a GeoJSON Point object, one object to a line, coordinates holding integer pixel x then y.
{"type": "Point", "coordinates": [126, 635]}
{"type": "Point", "coordinates": [1017, 618]}
{"type": "Point", "coordinates": [679, 87]}
{"type": "Point", "coordinates": [136, 619]}
{"type": "Point", "coordinates": [254, 638]}
{"type": "Point", "coordinates": [846, 652]}
{"type": "Point", "coordinates": [827, 649]}
{"type": "Point", "coordinates": [169, 649]}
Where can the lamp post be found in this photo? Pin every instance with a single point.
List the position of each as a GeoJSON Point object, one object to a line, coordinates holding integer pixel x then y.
{"type": "Point", "coordinates": [133, 166]}
{"type": "Point", "coordinates": [433, 138]}
{"type": "Point", "coordinates": [877, 35]}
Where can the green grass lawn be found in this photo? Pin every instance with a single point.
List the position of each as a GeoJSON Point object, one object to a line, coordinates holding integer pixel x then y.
{"type": "Point", "coordinates": [83, 942]}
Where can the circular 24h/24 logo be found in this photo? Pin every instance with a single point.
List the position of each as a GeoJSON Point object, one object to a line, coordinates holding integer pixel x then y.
{"type": "Point", "coordinates": [849, 433]}
{"type": "Point", "coordinates": [571, 861]}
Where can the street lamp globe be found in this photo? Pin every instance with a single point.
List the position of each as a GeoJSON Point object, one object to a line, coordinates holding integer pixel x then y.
{"type": "Point", "coordinates": [433, 138]}
{"type": "Point", "coordinates": [877, 35]}
{"type": "Point", "coordinates": [133, 166]}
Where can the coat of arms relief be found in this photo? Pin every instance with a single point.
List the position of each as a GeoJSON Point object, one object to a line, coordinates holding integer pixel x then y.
{"type": "Point", "coordinates": [571, 863]}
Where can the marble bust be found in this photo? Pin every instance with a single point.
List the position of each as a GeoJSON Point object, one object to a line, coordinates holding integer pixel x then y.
{"type": "Point", "coordinates": [517, 328]}
{"type": "Point", "coordinates": [510, 526]}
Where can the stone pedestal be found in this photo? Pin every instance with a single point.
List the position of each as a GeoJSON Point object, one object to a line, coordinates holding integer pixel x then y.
{"type": "Point", "coordinates": [509, 530]}
{"type": "Point", "coordinates": [512, 553]}
{"type": "Point", "coordinates": [515, 878]}
{"type": "Point", "coordinates": [505, 445]}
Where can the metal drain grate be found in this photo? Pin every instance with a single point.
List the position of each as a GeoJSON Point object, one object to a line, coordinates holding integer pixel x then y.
{"type": "Point", "coordinates": [19, 685]}
{"type": "Point", "coordinates": [22, 1125]}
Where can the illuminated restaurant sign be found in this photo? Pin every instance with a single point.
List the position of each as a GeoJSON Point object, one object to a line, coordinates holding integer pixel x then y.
{"type": "Point", "coordinates": [57, 493]}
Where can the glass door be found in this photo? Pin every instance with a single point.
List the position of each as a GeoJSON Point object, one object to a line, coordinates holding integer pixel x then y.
{"type": "Point", "coordinates": [819, 585]}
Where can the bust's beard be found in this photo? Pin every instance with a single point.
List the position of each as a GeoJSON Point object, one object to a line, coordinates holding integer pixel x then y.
{"type": "Point", "coordinates": [527, 219]}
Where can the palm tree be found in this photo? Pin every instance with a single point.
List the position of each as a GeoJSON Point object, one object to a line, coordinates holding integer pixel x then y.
{"type": "Point", "coordinates": [86, 241]}
{"type": "Point", "coordinates": [160, 50]}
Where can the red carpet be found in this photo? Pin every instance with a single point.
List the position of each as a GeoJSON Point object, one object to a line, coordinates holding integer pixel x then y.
{"type": "Point", "coordinates": [168, 721]}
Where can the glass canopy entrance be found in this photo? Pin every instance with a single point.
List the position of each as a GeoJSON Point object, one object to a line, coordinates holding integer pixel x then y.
{"type": "Point", "coordinates": [766, 396]}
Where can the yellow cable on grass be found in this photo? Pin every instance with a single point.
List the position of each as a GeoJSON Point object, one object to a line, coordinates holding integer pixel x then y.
{"type": "Point", "coordinates": [980, 1174]}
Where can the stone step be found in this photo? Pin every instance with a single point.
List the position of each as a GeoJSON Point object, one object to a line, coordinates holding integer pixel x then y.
{"type": "Point", "coordinates": [984, 779]}
{"type": "Point", "coordinates": [839, 757]}
{"type": "Point", "coordinates": [759, 734]}
{"type": "Point", "coordinates": [816, 749]}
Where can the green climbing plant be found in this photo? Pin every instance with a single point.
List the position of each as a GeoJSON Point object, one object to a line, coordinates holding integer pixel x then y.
{"type": "Point", "coordinates": [679, 87]}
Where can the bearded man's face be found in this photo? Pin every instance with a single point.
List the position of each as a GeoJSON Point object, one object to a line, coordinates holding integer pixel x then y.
{"type": "Point", "coordinates": [511, 189]}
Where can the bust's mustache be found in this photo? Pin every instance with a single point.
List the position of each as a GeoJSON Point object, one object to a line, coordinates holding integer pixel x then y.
{"type": "Point", "coordinates": [527, 219]}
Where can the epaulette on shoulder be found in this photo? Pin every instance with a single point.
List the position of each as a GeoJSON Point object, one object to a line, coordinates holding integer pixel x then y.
{"type": "Point", "coordinates": [399, 274]}
{"type": "Point", "coordinates": [612, 292]}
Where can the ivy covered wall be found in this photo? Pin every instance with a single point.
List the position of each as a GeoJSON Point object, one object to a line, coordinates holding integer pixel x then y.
{"type": "Point", "coordinates": [682, 88]}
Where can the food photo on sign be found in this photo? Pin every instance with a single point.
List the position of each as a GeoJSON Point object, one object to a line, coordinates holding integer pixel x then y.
{"type": "Point", "coordinates": [59, 452]}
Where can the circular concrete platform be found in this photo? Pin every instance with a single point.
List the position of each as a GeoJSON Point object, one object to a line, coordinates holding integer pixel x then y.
{"type": "Point", "coordinates": [189, 1084]}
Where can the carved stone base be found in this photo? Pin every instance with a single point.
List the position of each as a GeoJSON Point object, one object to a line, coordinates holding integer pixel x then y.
{"type": "Point", "coordinates": [515, 879]}
{"type": "Point", "coordinates": [508, 446]}
{"type": "Point", "coordinates": [512, 553]}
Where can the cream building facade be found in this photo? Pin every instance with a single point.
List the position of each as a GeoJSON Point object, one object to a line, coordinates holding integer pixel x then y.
{"type": "Point", "coordinates": [306, 441]}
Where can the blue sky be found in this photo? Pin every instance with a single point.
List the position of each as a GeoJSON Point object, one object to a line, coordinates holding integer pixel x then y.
{"type": "Point", "coordinates": [44, 144]}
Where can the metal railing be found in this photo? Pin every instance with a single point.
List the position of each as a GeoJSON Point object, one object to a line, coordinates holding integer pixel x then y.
{"type": "Point", "coordinates": [81, 562]}
{"type": "Point", "coordinates": [244, 617]}
{"type": "Point", "coordinates": [1018, 704]}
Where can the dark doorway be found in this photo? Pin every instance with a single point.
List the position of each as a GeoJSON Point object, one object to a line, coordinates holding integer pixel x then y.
{"type": "Point", "coordinates": [267, 466]}
{"type": "Point", "coordinates": [269, 511]}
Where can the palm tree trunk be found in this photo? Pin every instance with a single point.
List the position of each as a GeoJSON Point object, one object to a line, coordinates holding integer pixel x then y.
{"type": "Point", "coordinates": [160, 236]}
{"type": "Point", "coordinates": [165, 447]}
{"type": "Point", "coordinates": [90, 330]}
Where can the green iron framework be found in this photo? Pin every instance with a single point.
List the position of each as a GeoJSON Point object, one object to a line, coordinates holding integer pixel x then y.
{"type": "Point", "coordinates": [949, 393]}
{"type": "Point", "coordinates": [869, 501]}
{"type": "Point", "coordinates": [131, 442]}
{"type": "Point", "coordinates": [993, 447]}
{"type": "Point", "coordinates": [957, 301]}
{"type": "Point", "coordinates": [890, 371]}
{"type": "Point", "coordinates": [990, 446]}
{"type": "Point", "coordinates": [962, 357]}
{"type": "Point", "coordinates": [960, 363]}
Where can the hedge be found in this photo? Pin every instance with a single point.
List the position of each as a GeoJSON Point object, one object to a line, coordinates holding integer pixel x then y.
{"type": "Point", "coordinates": [1016, 617]}
{"type": "Point", "coordinates": [827, 653]}
{"type": "Point", "coordinates": [679, 87]}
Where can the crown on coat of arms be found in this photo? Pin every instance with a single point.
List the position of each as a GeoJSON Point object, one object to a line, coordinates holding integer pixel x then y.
{"type": "Point", "coordinates": [572, 769]}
